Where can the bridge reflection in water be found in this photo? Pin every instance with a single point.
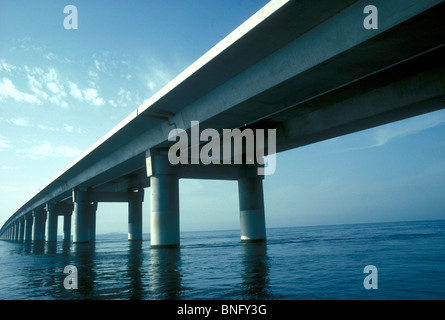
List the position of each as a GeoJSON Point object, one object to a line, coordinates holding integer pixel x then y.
{"type": "Point", "coordinates": [130, 270]}
{"type": "Point", "coordinates": [161, 274]}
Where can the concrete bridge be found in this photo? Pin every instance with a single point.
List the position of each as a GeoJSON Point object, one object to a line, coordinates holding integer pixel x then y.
{"type": "Point", "coordinates": [308, 69]}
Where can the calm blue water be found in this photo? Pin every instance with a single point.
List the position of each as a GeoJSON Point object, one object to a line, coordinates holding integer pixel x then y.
{"type": "Point", "coordinates": [322, 262]}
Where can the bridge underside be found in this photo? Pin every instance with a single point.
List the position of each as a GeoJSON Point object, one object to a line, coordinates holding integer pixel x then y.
{"type": "Point", "coordinates": [311, 77]}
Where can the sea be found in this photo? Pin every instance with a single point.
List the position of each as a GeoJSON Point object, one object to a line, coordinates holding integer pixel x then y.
{"type": "Point", "coordinates": [374, 261]}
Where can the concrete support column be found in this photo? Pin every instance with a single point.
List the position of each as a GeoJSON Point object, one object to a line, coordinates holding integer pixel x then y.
{"type": "Point", "coordinates": [21, 229]}
{"type": "Point", "coordinates": [251, 202]}
{"type": "Point", "coordinates": [28, 227]}
{"type": "Point", "coordinates": [17, 229]}
{"type": "Point", "coordinates": [135, 216]}
{"type": "Point", "coordinates": [51, 222]}
{"type": "Point", "coordinates": [92, 221]}
{"type": "Point", "coordinates": [67, 226]}
{"type": "Point", "coordinates": [84, 218]}
{"type": "Point", "coordinates": [164, 195]}
{"type": "Point", "coordinates": [80, 217]}
{"type": "Point", "coordinates": [16, 232]}
{"type": "Point", "coordinates": [81, 223]}
{"type": "Point", "coordinates": [38, 225]}
{"type": "Point", "coordinates": [164, 211]}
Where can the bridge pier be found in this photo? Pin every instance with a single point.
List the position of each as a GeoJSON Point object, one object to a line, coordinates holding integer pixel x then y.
{"type": "Point", "coordinates": [92, 221]}
{"type": "Point", "coordinates": [81, 228]}
{"type": "Point", "coordinates": [38, 226]}
{"type": "Point", "coordinates": [28, 227]}
{"type": "Point", "coordinates": [51, 222]}
{"type": "Point", "coordinates": [164, 184]}
{"type": "Point", "coordinates": [21, 224]}
{"type": "Point", "coordinates": [164, 215]}
{"type": "Point", "coordinates": [85, 206]}
{"type": "Point", "coordinates": [135, 216]}
{"type": "Point", "coordinates": [84, 222]}
{"type": "Point", "coordinates": [15, 232]}
{"type": "Point", "coordinates": [251, 204]}
{"type": "Point", "coordinates": [164, 201]}
{"type": "Point", "coordinates": [84, 217]}
{"type": "Point", "coordinates": [67, 226]}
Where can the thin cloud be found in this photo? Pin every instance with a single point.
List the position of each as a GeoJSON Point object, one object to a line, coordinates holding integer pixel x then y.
{"type": "Point", "coordinates": [124, 97]}
{"type": "Point", "coordinates": [26, 45]}
{"type": "Point", "coordinates": [4, 66]}
{"type": "Point", "coordinates": [43, 127]}
{"type": "Point", "coordinates": [157, 76]}
{"type": "Point", "coordinates": [21, 122]}
{"type": "Point", "coordinates": [6, 167]}
{"type": "Point", "coordinates": [56, 88]}
{"type": "Point", "coordinates": [36, 87]}
{"type": "Point", "coordinates": [45, 149]}
{"type": "Point", "coordinates": [89, 94]}
{"type": "Point", "coordinates": [151, 85]}
{"type": "Point", "coordinates": [100, 66]}
{"type": "Point", "coordinates": [68, 128]}
{"type": "Point", "coordinates": [385, 134]}
{"type": "Point", "coordinates": [4, 143]}
{"type": "Point", "coordinates": [46, 86]}
{"type": "Point", "coordinates": [8, 90]}
{"type": "Point", "coordinates": [75, 92]}
{"type": "Point", "coordinates": [112, 102]}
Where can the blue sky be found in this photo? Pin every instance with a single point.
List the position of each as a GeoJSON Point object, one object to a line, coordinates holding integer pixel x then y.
{"type": "Point", "coordinates": [61, 90]}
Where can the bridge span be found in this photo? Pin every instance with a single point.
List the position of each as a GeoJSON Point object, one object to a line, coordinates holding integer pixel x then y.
{"type": "Point", "coordinates": [310, 70]}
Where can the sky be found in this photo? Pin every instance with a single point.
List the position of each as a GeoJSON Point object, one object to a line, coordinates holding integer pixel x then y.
{"type": "Point", "coordinates": [62, 90]}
